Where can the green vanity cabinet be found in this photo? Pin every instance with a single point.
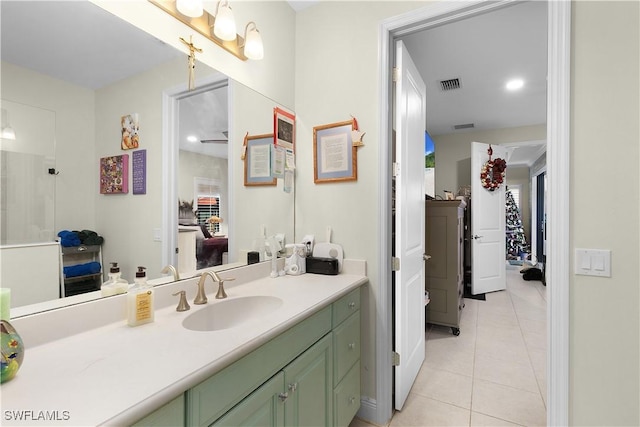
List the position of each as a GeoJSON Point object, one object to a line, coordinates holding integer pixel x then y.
{"type": "Point", "coordinates": [299, 395]}
{"type": "Point", "coordinates": [170, 415]}
{"type": "Point", "coordinates": [212, 398]}
{"type": "Point", "coordinates": [263, 407]}
{"type": "Point", "coordinates": [308, 375]}
{"type": "Point", "coordinates": [346, 348]}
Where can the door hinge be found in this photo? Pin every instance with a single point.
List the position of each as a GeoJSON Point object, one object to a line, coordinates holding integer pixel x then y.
{"type": "Point", "coordinates": [396, 358]}
{"type": "Point", "coordinates": [395, 75]}
{"type": "Point", "coordinates": [395, 264]}
{"type": "Point", "coordinates": [396, 169]}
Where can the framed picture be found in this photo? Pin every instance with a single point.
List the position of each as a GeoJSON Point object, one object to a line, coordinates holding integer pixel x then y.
{"type": "Point", "coordinates": [284, 129]}
{"type": "Point", "coordinates": [334, 156]}
{"type": "Point", "coordinates": [114, 174]}
{"type": "Point", "coordinates": [257, 162]}
{"type": "Point", "coordinates": [130, 129]}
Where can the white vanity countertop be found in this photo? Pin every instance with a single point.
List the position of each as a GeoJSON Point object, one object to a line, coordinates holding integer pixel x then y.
{"type": "Point", "coordinates": [116, 374]}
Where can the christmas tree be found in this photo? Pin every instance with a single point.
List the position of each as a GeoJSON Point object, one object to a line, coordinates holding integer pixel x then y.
{"type": "Point", "coordinates": [516, 240]}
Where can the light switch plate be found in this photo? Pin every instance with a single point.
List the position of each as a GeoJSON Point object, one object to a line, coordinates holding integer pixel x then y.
{"type": "Point", "coordinates": [593, 262]}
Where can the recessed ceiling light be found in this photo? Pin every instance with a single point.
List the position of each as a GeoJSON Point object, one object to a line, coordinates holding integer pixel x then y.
{"type": "Point", "coordinates": [192, 138]}
{"type": "Point", "coordinates": [515, 84]}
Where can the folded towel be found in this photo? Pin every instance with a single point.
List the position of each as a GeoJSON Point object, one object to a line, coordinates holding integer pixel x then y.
{"type": "Point", "coordinates": [69, 238]}
{"type": "Point", "coordinates": [81, 269]}
{"type": "Point", "coordinates": [90, 237]}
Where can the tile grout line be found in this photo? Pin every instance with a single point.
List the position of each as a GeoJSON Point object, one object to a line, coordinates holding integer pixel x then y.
{"type": "Point", "coordinates": [473, 370]}
{"type": "Point", "coordinates": [528, 349]}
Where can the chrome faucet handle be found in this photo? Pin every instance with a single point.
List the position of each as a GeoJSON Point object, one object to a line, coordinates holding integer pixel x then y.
{"type": "Point", "coordinates": [183, 305]}
{"type": "Point", "coordinates": [201, 297]}
{"type": "Point", "coordinates": [221, 293]}
{"type": "Point", "coordinates": [171, 269]}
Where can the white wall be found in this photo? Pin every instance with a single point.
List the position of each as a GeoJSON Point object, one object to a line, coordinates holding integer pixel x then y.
{"type": "Point", "coordinates": [127, 221]}
{"type": "Point", "coordinates": [454, 151]}
{"type": "Point", "coordinates": [255, 206]}
{"type": "Point", "coordinates": [605, 128]}
{"type": "Point", "coordinates": [336, 75]}
{"type": "Point", "coordinates": [74, 139]}
{"type": "Point", "coordinates": [273, 76]}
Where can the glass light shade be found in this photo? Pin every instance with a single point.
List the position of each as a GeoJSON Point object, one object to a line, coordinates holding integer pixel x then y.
{"type": "Point", "coordinates": [190, 8]}
{"type": "Point", "coordinates": [225, 25]}
{"type": "Point", "coordinates": [253, 48]}
{"type": "Point", "coordinates": [8, 133]}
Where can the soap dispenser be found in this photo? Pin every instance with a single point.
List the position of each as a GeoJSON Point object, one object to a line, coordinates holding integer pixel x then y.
{"type": "Point", "coordinates": [116, 284]}
{"type": "Point", "coordinates": [140, 305]}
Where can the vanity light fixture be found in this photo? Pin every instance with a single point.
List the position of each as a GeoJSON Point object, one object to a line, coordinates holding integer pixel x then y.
{"type": "Point", "coordinates": [224, 26]}
{"type": "Point", "coordinates": [253, 48]}
{"type": "Point", "coordinates": [190, 8]}
{"type": "Point", "coordinates": [220, 29]}
{"type": "Point", "coordinates": [7, 130]}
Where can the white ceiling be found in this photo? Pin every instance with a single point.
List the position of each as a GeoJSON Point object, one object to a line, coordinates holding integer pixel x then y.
{"type": "Point", "coordinates": [80, 43]}
{"type": "Point", "coordinates": [484, 52]}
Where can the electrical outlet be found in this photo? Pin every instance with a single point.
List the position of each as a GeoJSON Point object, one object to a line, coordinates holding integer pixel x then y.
{"type": "Point", "coordinates": [308, 241]}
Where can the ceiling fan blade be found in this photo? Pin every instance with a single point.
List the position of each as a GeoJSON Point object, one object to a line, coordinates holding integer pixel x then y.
{"type": "Point", "coordinates": [214, 141]}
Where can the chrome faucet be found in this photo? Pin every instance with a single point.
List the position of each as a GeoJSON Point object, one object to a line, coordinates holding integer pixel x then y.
{"type": "Point", "coordinates": [201, 297]}
{"type": "Point", "coordinates": [171, 269]}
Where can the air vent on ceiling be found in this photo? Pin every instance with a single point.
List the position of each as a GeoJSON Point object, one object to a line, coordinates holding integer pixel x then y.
{"type": "Point", "coordinates": [450, 84]}
{"type": "Point", "coordinates": [464, 126]}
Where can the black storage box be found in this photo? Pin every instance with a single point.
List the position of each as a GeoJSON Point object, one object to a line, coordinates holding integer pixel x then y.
{"type": "Point", "coordinates": [322, 265]}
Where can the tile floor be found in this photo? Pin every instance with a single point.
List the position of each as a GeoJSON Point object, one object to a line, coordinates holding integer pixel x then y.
{"type": "Point", "coordinates": [494, 373]}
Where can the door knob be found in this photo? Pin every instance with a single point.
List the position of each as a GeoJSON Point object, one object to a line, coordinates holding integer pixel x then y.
{"type": "Point", "coordinates": [475, 236]}
{"type": "Point", "coordinates": [426, 257]}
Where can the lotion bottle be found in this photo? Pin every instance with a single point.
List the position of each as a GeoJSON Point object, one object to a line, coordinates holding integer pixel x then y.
{"type": "Point", "coordinates": [140, 307]}
{"type": "Point", "coordinates": [115, 285]}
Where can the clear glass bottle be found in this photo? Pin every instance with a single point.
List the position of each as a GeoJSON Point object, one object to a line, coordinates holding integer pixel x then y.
{"type": "Point", "coordinates": [116, 284]}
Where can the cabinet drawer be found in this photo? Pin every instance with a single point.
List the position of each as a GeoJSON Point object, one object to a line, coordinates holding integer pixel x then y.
{"type": "Point", "coordinates": [213, 397]}
{"type": "Point", "coordinates": [346, 306]}
{"type": "Point", "coordinates": [346, 397]}
{"type": "Point", "coordinates": [346, 346]}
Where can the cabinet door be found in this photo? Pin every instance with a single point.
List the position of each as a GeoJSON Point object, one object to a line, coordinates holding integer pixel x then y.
{"type": "Point", "coordinates": [309, 385]}
{"type": "Point", "coordinates": [263, 407]}
{"type": "Point", "coordinates": [170, 415]}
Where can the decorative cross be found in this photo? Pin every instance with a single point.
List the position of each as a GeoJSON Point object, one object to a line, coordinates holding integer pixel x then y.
{"type": "Point", "coordinates": [192, 60]}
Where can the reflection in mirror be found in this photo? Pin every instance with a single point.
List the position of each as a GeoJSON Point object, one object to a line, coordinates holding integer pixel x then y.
{"type": "Point", "coordinates": [203, 198]}
{"type": "Point", "coordinates": [86, 101]}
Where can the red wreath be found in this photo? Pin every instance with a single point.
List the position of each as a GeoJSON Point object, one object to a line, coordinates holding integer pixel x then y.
{"type": "Point", "coordinates": [493, 172]}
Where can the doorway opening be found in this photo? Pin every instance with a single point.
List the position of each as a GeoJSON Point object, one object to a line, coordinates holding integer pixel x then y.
{"type": "Point", "coordinates": [558, 108]}
{"type": "Point", "coordinates": [176, 129]}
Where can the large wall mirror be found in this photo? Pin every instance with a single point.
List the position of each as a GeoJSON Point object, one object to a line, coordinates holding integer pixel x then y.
{"type": "Point", "coordinates": [70, 72]}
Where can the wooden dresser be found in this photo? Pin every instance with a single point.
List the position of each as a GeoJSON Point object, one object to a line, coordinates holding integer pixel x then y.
{"type": "Point", "coordinates": [444, 278]}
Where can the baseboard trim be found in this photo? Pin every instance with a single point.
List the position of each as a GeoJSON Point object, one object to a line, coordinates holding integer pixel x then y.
{"type": "Point", "coordinates": [368, 409]}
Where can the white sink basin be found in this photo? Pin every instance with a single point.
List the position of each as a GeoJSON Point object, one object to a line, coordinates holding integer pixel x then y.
{"type": "Point", "coordinates": [229, 313]}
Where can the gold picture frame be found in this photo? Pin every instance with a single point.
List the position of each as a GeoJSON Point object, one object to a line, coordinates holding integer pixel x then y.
{"type": "Point", "coordinates": [257, 161]}
{"type": "Point", "coordinates": [335, 158]}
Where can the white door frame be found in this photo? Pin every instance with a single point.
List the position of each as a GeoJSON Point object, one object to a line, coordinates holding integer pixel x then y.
{"type": "Point", "coordinates": [170, 147]}
{"type": "Point", "coordinates": [558, 163]}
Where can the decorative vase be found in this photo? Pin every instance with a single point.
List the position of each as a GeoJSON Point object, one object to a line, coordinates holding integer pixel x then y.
{"type": "Point", "coordinates": [12, 351]}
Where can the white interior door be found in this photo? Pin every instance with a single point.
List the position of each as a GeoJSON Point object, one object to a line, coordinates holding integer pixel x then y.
{"type": "Point", "coordinates": [488, 258]}
{"type": "Point", "coordinates": [410, 120]}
